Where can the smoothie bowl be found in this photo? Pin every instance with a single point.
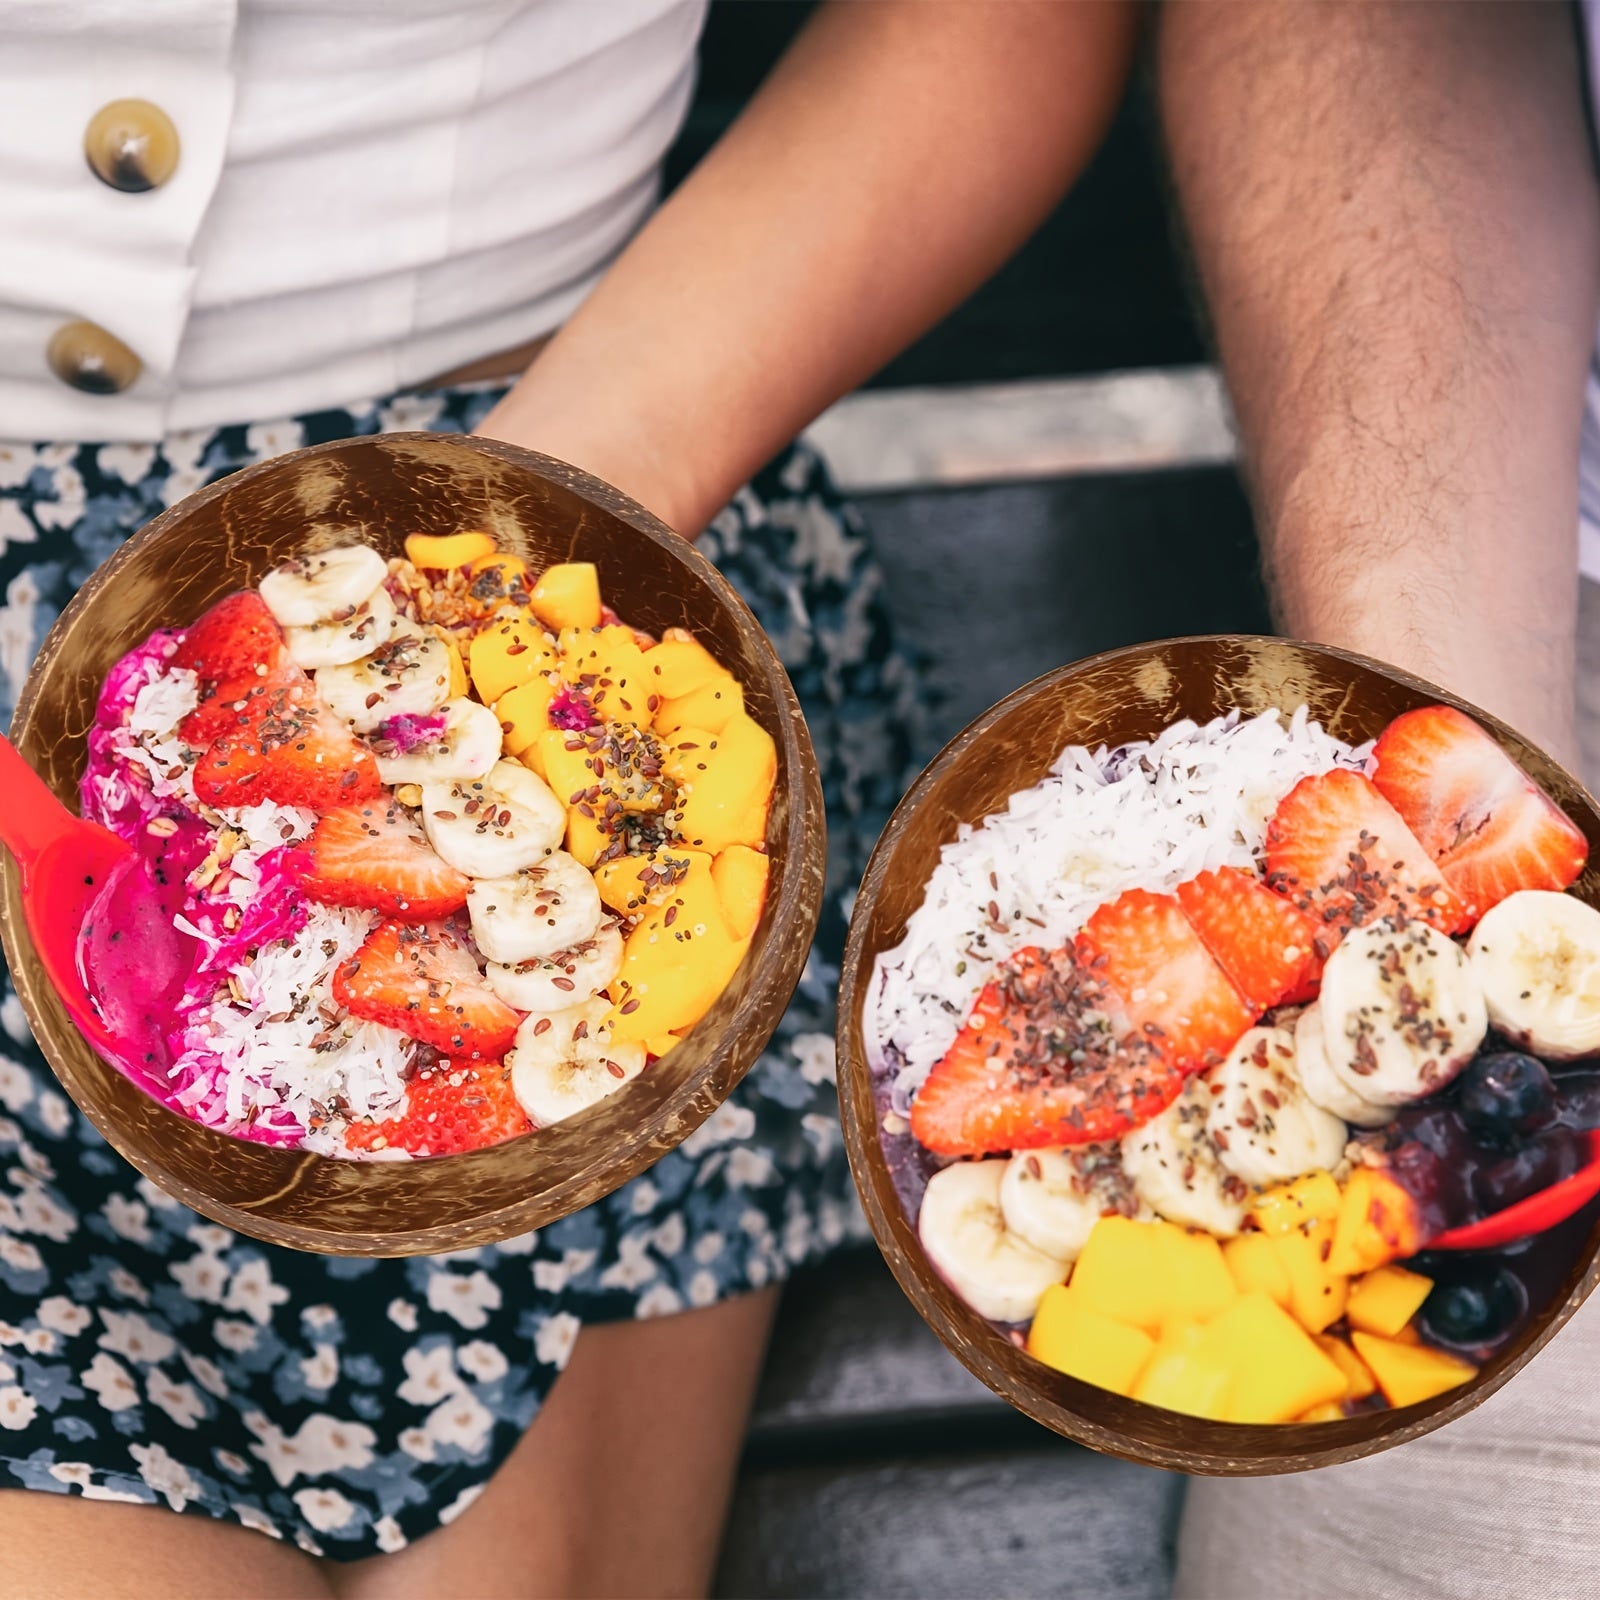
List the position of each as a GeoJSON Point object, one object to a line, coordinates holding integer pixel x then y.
{"type": "Point", "coordinates": [483, 828]}
{"type": "Point", "coordinates": [1219, 1052]}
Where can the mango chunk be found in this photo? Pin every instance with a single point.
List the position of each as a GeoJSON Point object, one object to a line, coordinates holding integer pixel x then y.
{"type": "Point", "coordinates": [1082, 1343]}
{"type": "Point", "coordinates": [713, 705]}
{"type": "Point", "coordinates": [1255, 1264]}
{"type": "Point", "coordinates": [629, 883]}
{"type": "Point", "coordinates": [663, 1044]}
{"type": "Point", "coordinates": [740, 875]}
{"type": "Point", "coordinates": [524, 714]}
{"type": "Point", "coordinates": [1378, 1222]}
{"type": "Point", "coordinates": [567, 596]}
{"type": "Point", "coordinates": [608, 667]}
{"type": "Point", "coordinates": [1316, 1294]}
{"type": "Point", "coordinates": [1386, 1299]}
{"type": "Point", "coordinates": [458, 671]}
{"type": "Point", "coordinates": [498, 575]}
{"type": "Point", "coordinates": [680, 665]}
{"type": "Point", "coordinates": [569, 768]}
{"type": "Point", "coordinates": [585, 840]}
{"type": "Point", "coordinates": [1328, 1412]}
{"type": "Point", "coordinates": [1121, 1272]}
{"type": "Point", "coordinates": [1183, 1375]}
{"type": "Point", "coordinates": [1357, 1374]}
{"type": "Point", "coordinates": [1198, 1283]}
{"type": "Point", "coordinates": [1409, 1373]}
{"type": "Point", "coordinates": [724, 782]}
{"type": "Point", "coordinates": [442, 552]}
{"type": "Point", "coordinates": [511, 649]}
{"type": "Point", "coordinates": [1278, 1371]}
{"type": "Point", "coordinates": [1289, 1205]}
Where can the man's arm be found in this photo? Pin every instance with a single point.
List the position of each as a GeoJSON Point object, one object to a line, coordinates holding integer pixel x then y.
{"type": "Point", "coordinates": [1393, 211]}
{"type": "Point", "coordinates": [900, 152]}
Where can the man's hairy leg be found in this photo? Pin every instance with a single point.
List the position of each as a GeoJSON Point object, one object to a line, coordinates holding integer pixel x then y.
{"type": "Point", "coordinates": [1393, 212]}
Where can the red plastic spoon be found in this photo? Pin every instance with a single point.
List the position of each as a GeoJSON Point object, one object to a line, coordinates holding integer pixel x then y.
{"type": "Point", "coordinates": [1532, 1215]}
{"type": "Point", "coordinates": [118, 974]}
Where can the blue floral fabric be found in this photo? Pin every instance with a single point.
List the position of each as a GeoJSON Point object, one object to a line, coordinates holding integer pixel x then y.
{"type": "Point", "coordinates": [353, 1405]}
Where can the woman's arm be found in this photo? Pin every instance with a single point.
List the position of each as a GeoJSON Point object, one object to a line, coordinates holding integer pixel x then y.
{"type": "Point", "coordinates": [899, 153]}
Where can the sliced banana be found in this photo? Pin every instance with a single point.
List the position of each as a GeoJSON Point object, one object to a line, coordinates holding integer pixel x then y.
{"type": "Point", "coordinates": [547, 908]}
{"type": "Point", "coordinates": [493, 826]}
{"type": "Point", "coordinates": [1323, 1086]}
{"type": "Point", "coordinates": [323, 587]}
{"type": "Point", "coordinates": [469, 749]}
{"type": "Point", "coordinates": [1537, 956]}
{"type": "Point", "coordinates": [341, 640]}
{"type": "Point", "coordinates": [567, 1061]}
{"type": "Point", "coordinates": [407, 675]}
{"type": "Point", "coordinates": [1176, 1169]}
{"type": "Point", "coordinates": [964, 1231]}
{"type": "Point", "coordinates": [1051, 1199]}
{"type": "Point", "coordinates": [567, 978]}
{"type": "Point", "coordinates": [1264, 1126]}
{"type": "Point", "coordinates": [1402, 1011]}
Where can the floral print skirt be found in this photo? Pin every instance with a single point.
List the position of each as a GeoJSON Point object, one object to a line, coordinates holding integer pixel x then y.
{"type": "Point", "coordinates": [353, 1405]}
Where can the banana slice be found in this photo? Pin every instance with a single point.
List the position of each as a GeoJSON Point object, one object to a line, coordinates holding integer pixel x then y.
{"type": "Point", "coordinates": [547, 908]}
{"type": "Point", "coordinates": [567, 1061]}
{"type": "Point", "coordinates": [469, 750]}
{"type": "Point", "coordinates": [1176, 1169]}
{"type": "Point", "coordinates": [323, 587]}
{"type": "Point", "coordinates": [493, 826]}
{"type": "Point", "coordinates": [1402, 1011]}
{"type": "Point", "coordinates": [567, 978]}
{"type": "Point", "coordinates": [1264, 1126]}
{"type": "Point", "coordinates": [341, 640]}
{"type": "Point", "coordinates": [1323, 1086]}
{"type": "Point", "coordinates": [1051, 1199]}
{"type": "Point", "coordinates": [1537, 956]}
{"type": "Point", "coordinates": [964, 1231]}
{"type": "Point", "coordinates": [407, 675]}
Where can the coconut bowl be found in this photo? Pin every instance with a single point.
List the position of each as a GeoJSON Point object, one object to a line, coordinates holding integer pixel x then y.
{"type": "Point", "coordinates": [378, 490]}
{"type": "Point", "coordinates": [1111, 699]}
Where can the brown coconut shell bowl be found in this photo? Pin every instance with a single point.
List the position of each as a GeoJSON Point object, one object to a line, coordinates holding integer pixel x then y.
{"type": "Point", "coordinates": [1111, 699]}
{"type": "Point", "coordinates": [377, 490]}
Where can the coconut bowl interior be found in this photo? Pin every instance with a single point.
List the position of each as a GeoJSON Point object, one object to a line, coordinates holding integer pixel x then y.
{"type": "Point", "coordinates": [378, 490]}
{"type": "Point", "coordinates": [1110, 699]}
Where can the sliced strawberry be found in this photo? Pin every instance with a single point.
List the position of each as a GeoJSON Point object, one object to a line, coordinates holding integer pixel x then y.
{"type": "Point", "coordinates": [450, 1107]}
{"type": "Point", "coordinates": [293, 751]}
{"type": "Point", "coordinates": [237, 635]}
{"type": "Point", "coordinates": [1490, 828]}
{"type": "Point", "coordinates": [1342, 853]}
{"type": "Point", "coordinates": [425, 982]}
{"type": "Point", "coordinates": [1045, 1058]}
{"type": "Point", "coordinates": [1143, 947]}
{"type": "Point", "coordinates": [232, 704]}
{"type": "Point", "coordinates": [1263, 943]}
{"type": "Point", "coordinates": [376, 856]}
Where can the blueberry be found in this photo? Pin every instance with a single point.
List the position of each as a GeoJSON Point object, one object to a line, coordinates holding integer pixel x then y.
{"type": "Point", "coordinates": [1505, 1096]}
{"type": "Point", "coordinates": [1474, 1311]}
{"type": "Point", "coordinates": [1542, 1160]}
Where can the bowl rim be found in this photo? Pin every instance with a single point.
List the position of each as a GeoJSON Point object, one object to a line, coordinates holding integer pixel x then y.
{"type": "Point", "coordinates": [976, 1342]}
{"type": "Point", "coordinates": [780, 964]}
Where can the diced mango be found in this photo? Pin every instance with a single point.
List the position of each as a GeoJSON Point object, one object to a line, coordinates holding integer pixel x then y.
{"type": "Point", "coordinates": [1121, 1272]}
{"type": "Point", "coordinates": [630, 882]}
{"type": "Point", "coordinates": [1255, 1264]}
{"type": "Point", "coordinates": [1357, 1374]}
{"type": "Point", "coordinates": [1386, 1299]}
{"type": "Point", "coordinates": [567, 596]}
{"type": "Point", "coordinates": [1410, 1373]}
{"type": "Point", "coordinates": [1067, 1335]}
{"type": "Point", "coordinates": [662, 1044]}
{"type": "Point", "coordinates": [1198, 1283]}
{"type": "Point", "coordinates": [511, 649]}
{"type": "Point", "coordinates": [679, 666]}
{"type": "Point", "coordinates": [585, 841]}
{"type": "Point", "coordinates": [1278, 1371]}
{"type": "Point", "coordinates": [1330, 1411]}
{"type": "Point", "coordinates": [524, 714]}
{"type": "Point", "coordinates": [608, 666]}
{"type": "Point", "coordinates": [1316, 1295]}
{"type": "Point", "coordinates": [510, 573]}
{"type": "Point", "coordinates": [1378, 1222]}
{"type": "Point", "coordinates": [1184, 1376]}
{"type": "Point", "coordinates": [569, 771]}
{"type": "Point", "coordinates": [740, 875]}
{"type": "Point", "coordinates": [724, 781]}
{"type": "Point", "coordinates": [713, 705]}
{"type": "Point", "coordinates": [458, 671]}
{"type": "Point", "coordinates": [1307, 1199]}
{"type": "Point", "coordinates": [441, 552]}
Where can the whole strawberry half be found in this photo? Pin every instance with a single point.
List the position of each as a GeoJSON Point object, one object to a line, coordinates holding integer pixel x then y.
{"type": "Point", "coordinates": [1045, 1058]}
{"type": "Point", "coordinates": [450, 1107]}
{"type": "Point", "coordinates": [1490, 828]}
{"type": "Point", "coordinates": [231, 640]}
{"type": "Point", "coordinates": [376, 856]}
{"type": "Point", "coordinates": [424, 981]}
